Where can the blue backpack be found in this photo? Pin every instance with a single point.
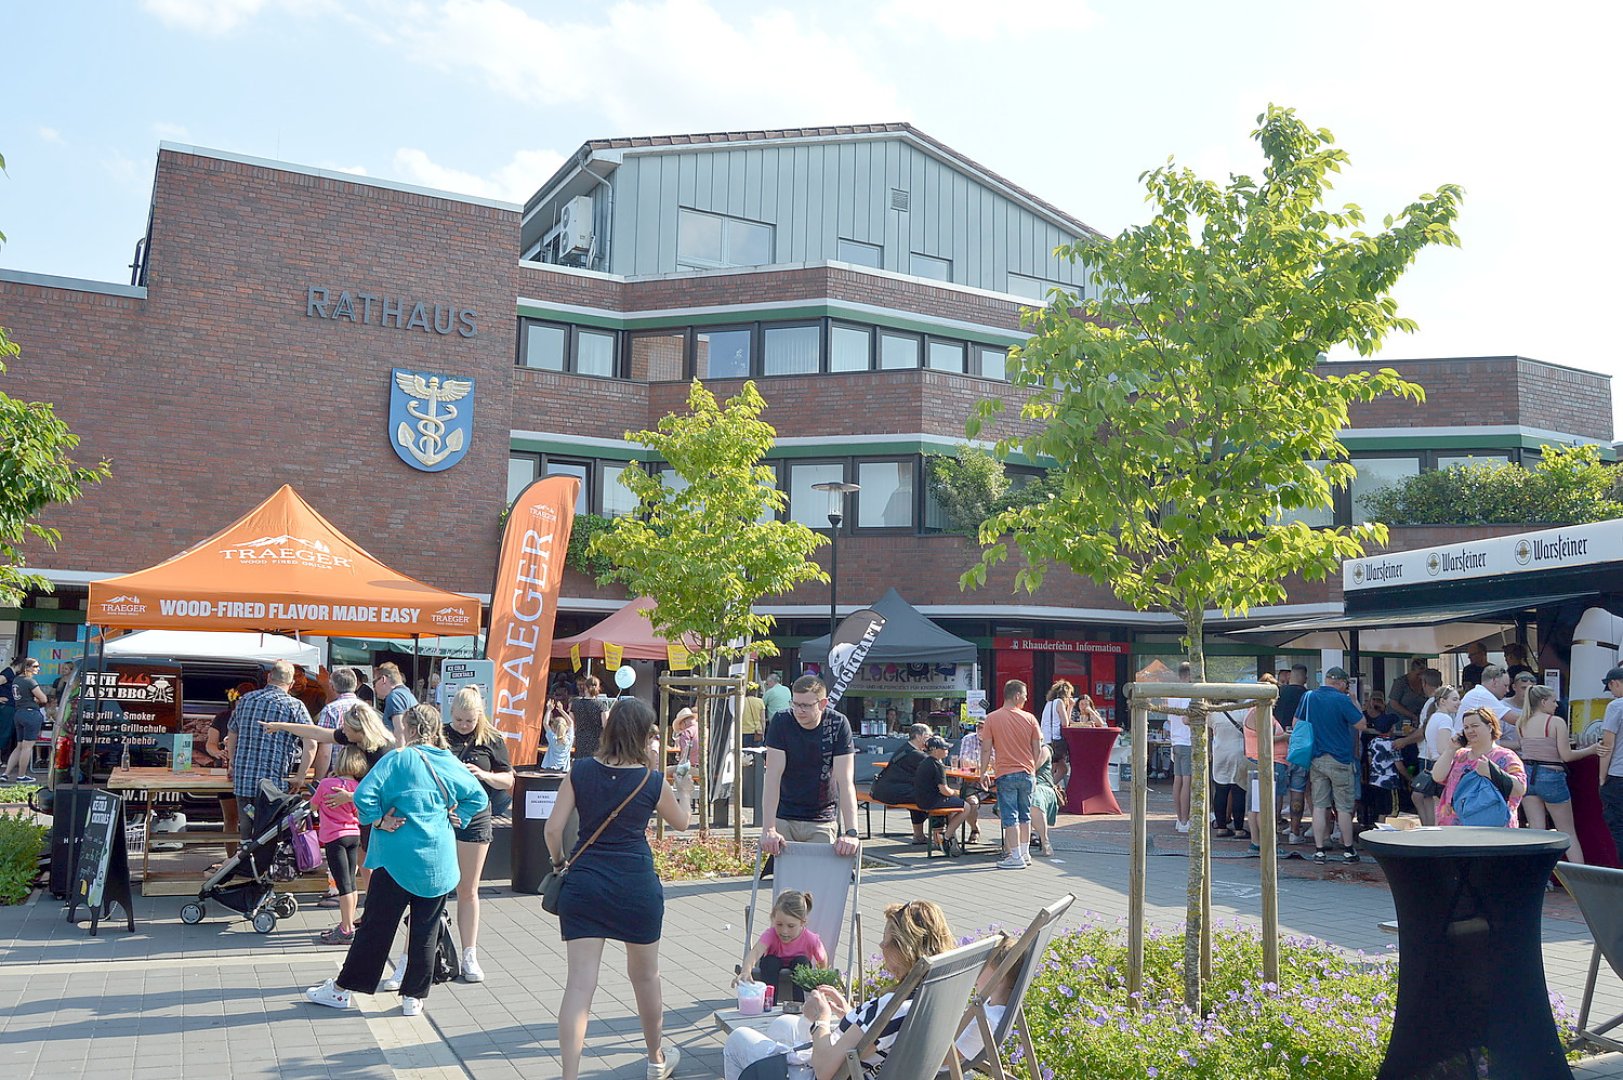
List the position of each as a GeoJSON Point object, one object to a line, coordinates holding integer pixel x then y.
{"type": "Point", "coordinates": [1478, 802]}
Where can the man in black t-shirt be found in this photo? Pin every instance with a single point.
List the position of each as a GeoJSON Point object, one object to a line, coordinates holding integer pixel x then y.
{"type": "Point", "coordinates": [894, 784]}
{"type": "Point", "coordinates": [809, 786]}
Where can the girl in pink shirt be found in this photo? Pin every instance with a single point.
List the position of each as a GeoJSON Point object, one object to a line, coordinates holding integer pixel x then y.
{"type": "Point", "coordinates": [339, 830]}
{"type": "Point", "coordinates": [789, 944]}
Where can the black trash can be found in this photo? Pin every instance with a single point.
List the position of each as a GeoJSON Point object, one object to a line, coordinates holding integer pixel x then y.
{"type": "Point", "coordinates": [534, 793]}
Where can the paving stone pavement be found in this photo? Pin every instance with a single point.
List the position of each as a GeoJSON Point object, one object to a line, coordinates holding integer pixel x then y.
{"type": "Point", "coordinates": [218, 999]}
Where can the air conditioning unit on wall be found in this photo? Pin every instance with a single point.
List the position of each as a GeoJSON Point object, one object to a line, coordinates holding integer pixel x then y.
{"type": "Point", "coordinates": [575, 227]}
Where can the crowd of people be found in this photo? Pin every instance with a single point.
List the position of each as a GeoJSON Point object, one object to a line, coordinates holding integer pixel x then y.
{"type": "Point", "coordinates": [1492, 751]}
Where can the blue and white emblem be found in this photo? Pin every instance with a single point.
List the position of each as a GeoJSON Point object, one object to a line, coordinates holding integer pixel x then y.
{"type": "Point", "coordinates": [430, 419]}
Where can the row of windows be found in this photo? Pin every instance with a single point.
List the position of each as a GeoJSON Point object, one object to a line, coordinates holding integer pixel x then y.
{"type": "Point", "coordinates": [706, 241]}
{"type": "Point", "coordinates": [894, 494]}
{"type": "Point", "coordinates": [749, 350]}
{"type": "Point", "coordinates": [1377, 472]}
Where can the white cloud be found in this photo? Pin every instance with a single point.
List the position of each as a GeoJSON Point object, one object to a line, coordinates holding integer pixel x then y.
{"type": "Point", "coordinates": [975, 20]}
{"type": "Point", "coordinates": [513, 182]}
{"type": "Point", "coordinates": [656, 66]}
{"type": "Point", "coordinates": [216, 18]}
{"type": "Point", "coordinates": [211, 17]}
{"type": "Point", "coordinates": [352, 170]}
{"type": "Point", "coordinates": [50, 135]}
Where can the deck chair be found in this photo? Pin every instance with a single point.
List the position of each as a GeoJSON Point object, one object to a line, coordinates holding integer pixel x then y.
{"type": "Point", "coordinates": [834, 881]}
{"type": "Point", "coordinates": [1598, 891]}
{"type": "Point", "coordinates": [939, 988]}
{"type": "Point", "coordinates": [1024, 960]}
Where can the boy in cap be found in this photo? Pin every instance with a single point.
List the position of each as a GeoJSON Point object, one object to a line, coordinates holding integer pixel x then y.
{"type": "Point", "coordinates": [930, 792]}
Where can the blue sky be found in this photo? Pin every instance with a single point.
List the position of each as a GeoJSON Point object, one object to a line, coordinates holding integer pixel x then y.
{"type": "Point", "coordinates": [1073, 100]}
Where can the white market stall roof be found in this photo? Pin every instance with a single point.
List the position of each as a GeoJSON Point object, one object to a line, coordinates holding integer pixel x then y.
{"type": "Point", "coordinates": [214, 645]}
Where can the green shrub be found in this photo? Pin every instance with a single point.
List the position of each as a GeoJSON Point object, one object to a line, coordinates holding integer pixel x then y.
{"type": "Point", "coordinates": [1568, 486]}
{"type": "Point", "coordinates": [21, 841]}
{"type": "Point", "coordinates": [810, 978]}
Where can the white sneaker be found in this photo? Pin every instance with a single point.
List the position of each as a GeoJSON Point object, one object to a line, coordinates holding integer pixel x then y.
{"type": "Point", "coordinates": [1181, 826]}
{"type": "Point", "coordinates": [1012, 862]}
{"type": "Point", "coordinates": [410, 1006]}
{"type": "Point", "coordinates": [396, 976]}
{"type": "Point", "coordinates": [329, 995]}
{"type": "Point", "coordinates": [471, 971]}
{"type": "Point", "coordinates": [667, 1068]}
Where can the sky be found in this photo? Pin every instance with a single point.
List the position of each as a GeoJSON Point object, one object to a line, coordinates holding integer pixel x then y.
{"type": "Point", "coordinates": [1071, 99]}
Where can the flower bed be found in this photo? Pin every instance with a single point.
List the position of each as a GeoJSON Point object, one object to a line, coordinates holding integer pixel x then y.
{"type": "Point", "coordinates": [687, 858]}
{"type": "Point", "coordinates": [1329, 1017]}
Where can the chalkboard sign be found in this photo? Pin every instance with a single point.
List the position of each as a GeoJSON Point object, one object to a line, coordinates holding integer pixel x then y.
{"type": "Point", "coordinates": [102, 877]}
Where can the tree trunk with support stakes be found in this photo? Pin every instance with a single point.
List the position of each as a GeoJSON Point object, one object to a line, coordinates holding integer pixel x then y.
{"type": "Point", "coordinates": [1197, 933]}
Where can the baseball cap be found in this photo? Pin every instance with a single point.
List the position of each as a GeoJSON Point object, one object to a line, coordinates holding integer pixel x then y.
{"type": "Point", "coordinates": [1615, 673]}
{"type": "Point", "coordinates": [1336, 673]}
{"type": "Point", "coordinates": [936, 742]}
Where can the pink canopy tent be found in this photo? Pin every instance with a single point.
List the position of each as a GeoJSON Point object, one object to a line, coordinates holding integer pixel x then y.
{"type": "Point", "coordinates": [628, 628]}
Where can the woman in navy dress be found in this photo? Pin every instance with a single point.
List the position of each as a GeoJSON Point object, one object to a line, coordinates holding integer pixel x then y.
{"type": "Point", "coordinates": [611, 891]}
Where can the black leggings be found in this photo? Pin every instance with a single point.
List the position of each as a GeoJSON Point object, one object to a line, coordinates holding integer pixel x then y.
{"type": "Point", "coordinates": [771, 966]}
{"type": "Point", "coordinates": [386, 902]}
{"type": "Point", "coordinates": [1228, 803]}
{"type": "Point", "coordinates": [342, 858]}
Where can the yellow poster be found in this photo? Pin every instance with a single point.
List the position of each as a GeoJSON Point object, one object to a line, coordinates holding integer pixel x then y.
{"type": "Point", "coordinates": [612, 655]}
{"type": "Point", "coordinates": [676, 657]}
{"type": "Point", "coordinates": [574, 657]}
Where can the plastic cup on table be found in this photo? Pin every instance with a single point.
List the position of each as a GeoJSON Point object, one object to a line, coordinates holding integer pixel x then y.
{"type": "Point", "coordinates": [751, 998]}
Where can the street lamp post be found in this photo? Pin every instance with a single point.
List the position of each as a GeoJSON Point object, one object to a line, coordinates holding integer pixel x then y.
{"type": "Point", "coordinates": [837, 491]}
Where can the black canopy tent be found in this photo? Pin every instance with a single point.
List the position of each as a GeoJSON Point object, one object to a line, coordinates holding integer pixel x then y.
{"type": "Point", "coordinates": [908, 638]}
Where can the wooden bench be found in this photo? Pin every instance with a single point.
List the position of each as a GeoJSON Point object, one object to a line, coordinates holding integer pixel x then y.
{"type": "Point", "coordinates": [868, 802]}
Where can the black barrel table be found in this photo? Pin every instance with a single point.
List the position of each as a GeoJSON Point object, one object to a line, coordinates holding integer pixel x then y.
{"type": "Point", "coordinates": [1471, 987]}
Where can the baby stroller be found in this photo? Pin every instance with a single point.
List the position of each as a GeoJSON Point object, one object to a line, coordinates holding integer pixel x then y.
{"type": "Point", "coordinates": [261, 859]}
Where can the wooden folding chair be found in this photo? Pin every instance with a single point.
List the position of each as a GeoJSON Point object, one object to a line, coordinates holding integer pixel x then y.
{"type": "Point", "coordinates": [1598, 891]}
{"type": "Point", "coordinates": [1023, 960]}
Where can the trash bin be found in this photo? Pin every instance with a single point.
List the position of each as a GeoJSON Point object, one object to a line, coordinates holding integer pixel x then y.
{"type": "Point", "coordinates": [534, 793]}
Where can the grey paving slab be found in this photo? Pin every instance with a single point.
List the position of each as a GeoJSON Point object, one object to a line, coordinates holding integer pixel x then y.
{"type": "Point", "coordinates": [217, 998]}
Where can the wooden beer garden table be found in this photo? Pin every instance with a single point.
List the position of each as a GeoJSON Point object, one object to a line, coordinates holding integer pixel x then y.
{"type": "Point", "coordinates": [141, 784]}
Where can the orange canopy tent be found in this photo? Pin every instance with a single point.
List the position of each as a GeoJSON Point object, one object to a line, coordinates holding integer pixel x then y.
{"type": "Point", "coordinates": [282, 567]}
{"type": "Point", "coordinates": [628, 628]}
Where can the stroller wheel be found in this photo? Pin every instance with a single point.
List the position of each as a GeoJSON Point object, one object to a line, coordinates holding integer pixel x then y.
{"type": "Point", "coordinates": [265, 921]}
{"type": "Point", "coordinates": [192, 914]}
{"type": "Point", "coordinates": [286, 905]}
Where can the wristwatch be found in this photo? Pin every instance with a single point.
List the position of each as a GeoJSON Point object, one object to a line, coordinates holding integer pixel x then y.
{"type": "Point", "coordinates": [852, 833]}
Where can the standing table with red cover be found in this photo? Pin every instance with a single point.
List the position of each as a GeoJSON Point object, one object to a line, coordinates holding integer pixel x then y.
{"type": "Point", "coordinates": [1087, 787]}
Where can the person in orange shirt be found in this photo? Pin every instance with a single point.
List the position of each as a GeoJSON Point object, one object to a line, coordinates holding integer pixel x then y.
{"type": "Point", "coordinates": [1011, 742]}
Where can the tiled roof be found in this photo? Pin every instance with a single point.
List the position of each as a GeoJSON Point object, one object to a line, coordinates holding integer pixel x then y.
{"type": "Point", "coordinates": [714, 138]}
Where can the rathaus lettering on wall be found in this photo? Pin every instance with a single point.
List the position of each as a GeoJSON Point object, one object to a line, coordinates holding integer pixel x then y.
{"type": "Point", "coordinates": [394, 312]}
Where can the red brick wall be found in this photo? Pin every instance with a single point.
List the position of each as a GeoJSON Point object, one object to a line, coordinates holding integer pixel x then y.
{"type": "Point", "coordinates": [218, 388]}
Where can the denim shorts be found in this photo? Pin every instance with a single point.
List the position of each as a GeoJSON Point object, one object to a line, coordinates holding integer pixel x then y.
{"type": "Point", "coordinates": [1547, 782]}
{"type": "Point", "coordinates": [1014, 798]}
{"type": "Point", "coordinates": [1295, 778]}
{"type": "Point", "coordinates": [1183, 761]}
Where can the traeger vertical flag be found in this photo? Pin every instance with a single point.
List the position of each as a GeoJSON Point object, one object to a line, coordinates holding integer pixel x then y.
{"type": "Point", "coordinates": [848, 648]}
{"type": "Point", "coordinates": [524, 608]}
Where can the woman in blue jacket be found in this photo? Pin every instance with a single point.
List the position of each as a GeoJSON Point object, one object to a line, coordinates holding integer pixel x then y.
{"type": "Point", "coordinates": [413, 799]}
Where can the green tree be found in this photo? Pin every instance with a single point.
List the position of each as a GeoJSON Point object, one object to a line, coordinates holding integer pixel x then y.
{"type": "Point", "coordinates": [1182, 406]}
{"type": "Point", "coordinates": [1569, 485]}
{"type": "Point", "coordinates": [708, 551]}
{"type": "Point", "coordinates": [36, 472]}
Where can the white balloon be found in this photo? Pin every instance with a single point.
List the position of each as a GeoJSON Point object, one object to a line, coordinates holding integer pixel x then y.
{"type": "Point", "coordinates": [625, 676]}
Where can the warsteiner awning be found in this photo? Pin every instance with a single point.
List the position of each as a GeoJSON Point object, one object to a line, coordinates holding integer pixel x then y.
{"type": "Point", "coordinates": [1426, 631]}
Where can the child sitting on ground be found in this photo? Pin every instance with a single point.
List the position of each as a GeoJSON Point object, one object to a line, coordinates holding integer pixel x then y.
{"type": "Point", "coordinates": [339, 830]}
{"type": "Point", "coordinates": [789, 944]}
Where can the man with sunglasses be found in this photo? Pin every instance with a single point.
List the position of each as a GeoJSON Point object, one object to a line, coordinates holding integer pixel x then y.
{"type": "Point", "coordinates": [809, 790]}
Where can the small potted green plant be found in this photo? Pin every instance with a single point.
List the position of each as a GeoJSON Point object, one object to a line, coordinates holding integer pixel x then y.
{"type": "Point", "coordinates": [809, 978]}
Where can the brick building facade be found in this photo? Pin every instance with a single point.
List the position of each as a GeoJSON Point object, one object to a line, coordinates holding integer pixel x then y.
{"type": "Point", "coordinates": [217, 377]}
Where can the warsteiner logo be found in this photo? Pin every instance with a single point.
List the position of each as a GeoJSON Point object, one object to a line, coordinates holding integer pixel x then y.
{"type": "Point", "coordinates": [123, 604]}
{"type": "Point", "coordinates": [285, 550]}
{"type": "Point", "coordinates": [450, 616]}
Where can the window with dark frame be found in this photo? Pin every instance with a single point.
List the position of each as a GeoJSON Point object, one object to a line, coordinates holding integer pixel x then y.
{"type": "Point", "coordinates": [897, 350]}
{"type": "Point", "coordinates": [945, 356]}
{"type": "Point", "coordinates": [886, 500]}
{"type": "Point", "coordinates": [578, 350]}
{"type": "Point", "coordinates": [789, 349]}
{"type": "Point", "coordinates": [850, 348]}
{"type": "Point", "coordinates": [723, 353]}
